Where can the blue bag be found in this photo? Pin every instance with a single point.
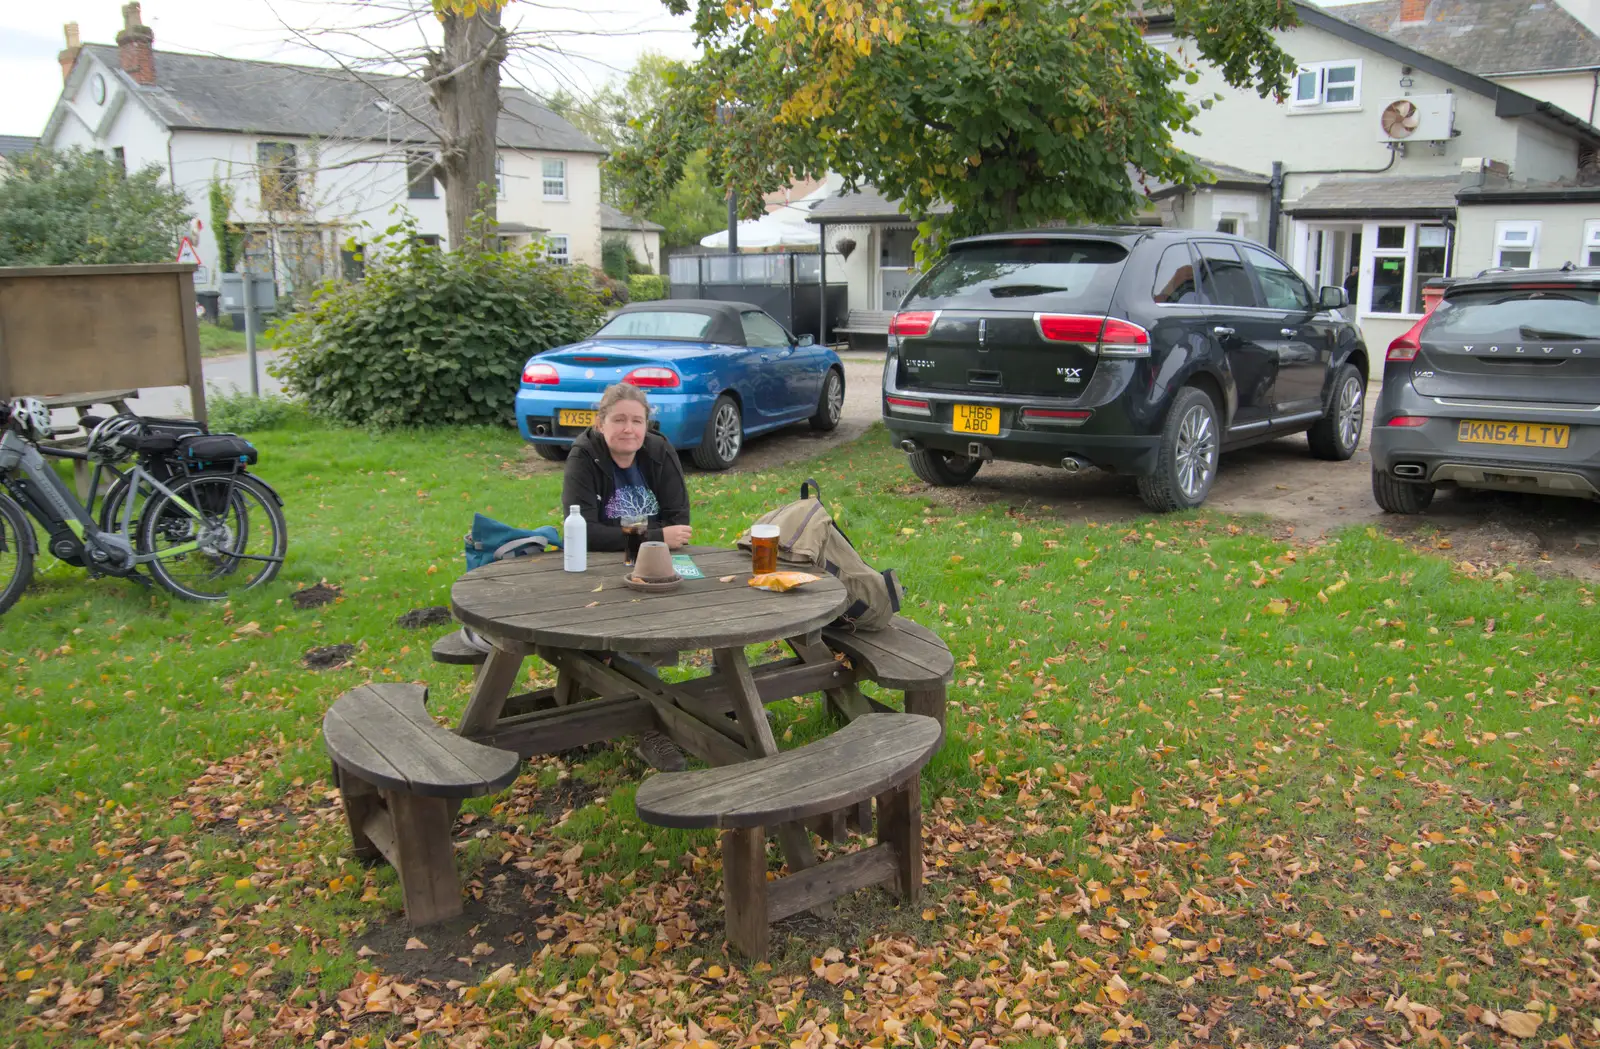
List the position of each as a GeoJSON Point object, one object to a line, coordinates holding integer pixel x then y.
{"type": "Point", "coordinates": [491, 541]}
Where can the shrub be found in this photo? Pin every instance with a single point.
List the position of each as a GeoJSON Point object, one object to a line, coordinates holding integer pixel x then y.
{"type": "Point", "coordinates": [614, 256]}
{"type": "Point", "coordinates": [613, 292]}
{"type": "Point", "coordinates": [646, 287]}
{"type": "Point", "coordinates": [235, 411]}
{"type": "Point", "coordinates": [635, 266]}
{"type": "Point", "coordinates": [429, 337]}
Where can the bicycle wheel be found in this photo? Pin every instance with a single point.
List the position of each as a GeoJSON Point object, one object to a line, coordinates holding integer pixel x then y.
{"type": "Point", "coordinates": [226, 534]}
{"type": "Point", "coordinates": [16, 552]}
{"type": "Point", "coordinates": [111, 507]}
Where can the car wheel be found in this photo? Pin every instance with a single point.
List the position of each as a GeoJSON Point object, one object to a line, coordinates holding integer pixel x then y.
{"type": "Point", "coordinates": [1336, 435]}
{"type": "Point", "coordinates": [724, 436]}
{"type": "Point", "coordinates": [1186, 461]}
{"type": "Point", "coordinates": [555, 453]}
{"type": "Point", "coordinates": [943, 470]}
{"type": "Point", "coordinates": [830, 406]}
{"type": "Point", "coordinates": [1400, 497]}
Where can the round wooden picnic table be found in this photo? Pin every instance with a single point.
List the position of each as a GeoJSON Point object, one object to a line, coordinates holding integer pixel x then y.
{"type": "Point", "coordinates": [587, 625]}
{"type": "Point", "coordinates": [533, 601]}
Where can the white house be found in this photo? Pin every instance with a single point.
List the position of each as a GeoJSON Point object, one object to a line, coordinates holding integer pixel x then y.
{"type": "Point", "coordinates": [1364, 160]}
{"type": "Point", "coordinates": [1420, 139]}
{"type": "Point", "coordinates": [316, 159]}
{"type": "Point", "coordinates": [642, 235]}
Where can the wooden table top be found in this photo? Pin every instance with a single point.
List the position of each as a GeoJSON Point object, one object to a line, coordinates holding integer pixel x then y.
{"type": "Point", "coordinates": [533, 601]}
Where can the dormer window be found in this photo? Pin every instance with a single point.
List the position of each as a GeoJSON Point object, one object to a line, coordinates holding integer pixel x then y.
{"type": "Point", "coordinates": [1327, 85]}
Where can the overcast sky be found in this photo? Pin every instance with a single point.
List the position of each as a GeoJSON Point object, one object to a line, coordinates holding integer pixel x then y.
{"type": "Point", "coordinates": [595, 39]}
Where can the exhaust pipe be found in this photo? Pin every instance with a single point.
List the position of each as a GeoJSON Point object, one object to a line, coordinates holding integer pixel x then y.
{"type": "Point", "coordinates": [541, 430]}
{"type": "Point", "coordinates": [1409, 470]}
{"type": "Point", "coordinates": [1072, 464]}
{"type": "Point", "coordinates": [908, 446]}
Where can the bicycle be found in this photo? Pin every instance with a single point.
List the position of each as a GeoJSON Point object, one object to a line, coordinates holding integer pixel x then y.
{"type": "Point", "coordinates": [204, 527]}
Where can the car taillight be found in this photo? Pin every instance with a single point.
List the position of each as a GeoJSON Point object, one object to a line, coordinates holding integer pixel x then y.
{"type": "Point", "coordinates": [913, 325]}
{"type": "Point", "coordinates": [1056, 416]}
{"type": "Point", "coordinates": [541, 375]}
{"type": "Point", "coordinates": [908, 406]}
{"type": "Point", "coordinates": [1407, 346]}
{"type": "Point", "coordinates": [653, 377]}
{"type": "Point", "coordinates": [1407, 420]}
{"type": "Point", "coordinates": [1109, 336]}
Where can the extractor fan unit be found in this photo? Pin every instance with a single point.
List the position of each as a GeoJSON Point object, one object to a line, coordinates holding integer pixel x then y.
{"type": "Point", "coordinates": [1400, 119]}
{"type": "Point", "coordinates": [1417, 118]}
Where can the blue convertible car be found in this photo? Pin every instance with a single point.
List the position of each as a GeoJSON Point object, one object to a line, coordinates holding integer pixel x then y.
{"type": "Point", "coordinates": [716, 373]}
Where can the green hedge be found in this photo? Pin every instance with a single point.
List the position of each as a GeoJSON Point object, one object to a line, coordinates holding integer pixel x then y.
{"type": "Point", "coordinates": [430, 337]}
{"type": "Point", "coordinates": [646, 286]}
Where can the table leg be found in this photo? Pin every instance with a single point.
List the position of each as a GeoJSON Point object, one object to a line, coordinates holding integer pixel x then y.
{"type": "Point", "coordinates": [846, 700]}
{"type": "Point", "coordinates": [741, 684]}
{"type": "Point", "coordinates": [490, 689]}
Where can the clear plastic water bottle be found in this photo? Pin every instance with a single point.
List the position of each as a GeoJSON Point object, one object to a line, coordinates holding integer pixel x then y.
{"type": "Point", "coordinates": [574, 542]}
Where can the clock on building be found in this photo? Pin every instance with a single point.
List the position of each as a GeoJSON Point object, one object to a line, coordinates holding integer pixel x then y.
{"type": "Point", "coordinates": [97, 88]}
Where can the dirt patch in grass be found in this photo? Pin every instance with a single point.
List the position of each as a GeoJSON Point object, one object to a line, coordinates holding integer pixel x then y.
{"type": "Point", "coordinates": [316, 596]}
{"type": "Point", "coordinates": [502, 905]}
{"type": "Point", "coordinates": [328, 657]}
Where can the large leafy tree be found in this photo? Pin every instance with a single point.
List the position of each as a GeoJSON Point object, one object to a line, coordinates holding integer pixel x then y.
{"type": "Point", "coordinates": [1013, 112]}
{"type": "Point", "coordinates": [617, 116]}
{"type": "Point", "coordinates": [72, 207]}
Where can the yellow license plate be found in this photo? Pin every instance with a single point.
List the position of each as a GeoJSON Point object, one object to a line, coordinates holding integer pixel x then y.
{"type": "Point", "coordinates": [976, 418]}
{"type": "Point", "coordinates": [1521, 435]}
{"type": "Point", "coordinates": [568, 417]}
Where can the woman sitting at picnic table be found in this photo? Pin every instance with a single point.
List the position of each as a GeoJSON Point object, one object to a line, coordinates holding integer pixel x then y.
{"type": "Point", "coordinates": [620, 468]}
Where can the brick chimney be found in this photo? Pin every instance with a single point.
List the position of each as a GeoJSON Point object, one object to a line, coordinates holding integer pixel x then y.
{"type": "Point", "coordinates": [136, 46]}
{"type": "Point", "coordinates": [1413, 12]}
{"type": "Point", "coordinates": [69, 57]}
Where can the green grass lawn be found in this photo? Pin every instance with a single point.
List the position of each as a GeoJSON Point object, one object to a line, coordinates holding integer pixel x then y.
{"type": "Point", "coordinates": [219, 341]}
{"type": "Point", "coordinates": [1200, 787]}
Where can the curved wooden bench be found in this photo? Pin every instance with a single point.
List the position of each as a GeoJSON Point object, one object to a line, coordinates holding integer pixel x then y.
{"type": "Point", "coordinates": [876, 755]}
{"type": "Point", "coordinates": [453, 649]}
{"type": "Point", "coordinates": [905, 655]}
{"type": "Point", "coordinates": [401, 776]}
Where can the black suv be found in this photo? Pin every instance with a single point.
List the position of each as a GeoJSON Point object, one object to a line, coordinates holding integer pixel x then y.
{"type": "Point", "coordinates": [1132, 349]}
{"type": "Point", "coordinates": [1498, 387]}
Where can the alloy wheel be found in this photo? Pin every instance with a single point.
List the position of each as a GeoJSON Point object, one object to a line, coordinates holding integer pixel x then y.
{"type": "Point", "coordinates": [1196, 453]}
{"type": "Point", "coordinates": [1350, 409]}
{"type": "Point", "coordinates": [728, 435]}
{"type": "Point", "coordinates": [835, 397]}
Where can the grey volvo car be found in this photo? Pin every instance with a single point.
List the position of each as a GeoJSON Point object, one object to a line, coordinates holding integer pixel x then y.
{"type": "Point", "coordinates": [1497, 388]}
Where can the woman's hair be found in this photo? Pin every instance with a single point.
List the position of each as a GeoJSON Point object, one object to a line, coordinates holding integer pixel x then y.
{"type": "Point", "coordinates": [614, 395]}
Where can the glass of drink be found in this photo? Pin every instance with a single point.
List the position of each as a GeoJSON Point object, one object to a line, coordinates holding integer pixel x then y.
{"type": "Point", "coordinates": [763, 549]}
{"type": "Point", "coordinates": [634, 527]}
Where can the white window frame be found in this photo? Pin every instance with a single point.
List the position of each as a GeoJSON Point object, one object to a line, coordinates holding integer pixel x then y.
{"type": "Point", "coordinates": [1591, 240]}
{"type": "Point", "coordinates": [1505, 239]}
{"type": "Point", "coordinates": [1319, 99]}
{"type": "Point", "coordinates": [1371, 253]}
{"type": "Point", "coordinates": [558, 248]}
{"type": "Point", "coordinates": [548, 180]}
{"type": "Point", "coordinates": [500, 176]}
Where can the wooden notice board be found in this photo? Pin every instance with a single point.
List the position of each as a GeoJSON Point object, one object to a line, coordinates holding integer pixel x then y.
{"type": "Point", "coordinates": [77, 329]}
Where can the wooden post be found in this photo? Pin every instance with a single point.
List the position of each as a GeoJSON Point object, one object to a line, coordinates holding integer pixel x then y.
{"type": "Point", "coordinates": [360, 800]}
{"type": "Point", "coordinates": [900, 826]}
{"type": "Point", "coordinates": [928, 702]}
{"type": "Point", "coordinates": [424, 858]}
{"type": "Point", "coordinates": [744, 890]}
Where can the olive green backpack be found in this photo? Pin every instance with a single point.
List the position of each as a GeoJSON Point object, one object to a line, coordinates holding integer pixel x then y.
{"type": "Point", "coordinates": [809, 537]}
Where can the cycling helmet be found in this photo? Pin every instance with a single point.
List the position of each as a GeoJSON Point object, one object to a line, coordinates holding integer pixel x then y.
{"type": "Point", "coordinates": [32, 416]}
{"type": "Point", "coordinates": [108, 442]}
